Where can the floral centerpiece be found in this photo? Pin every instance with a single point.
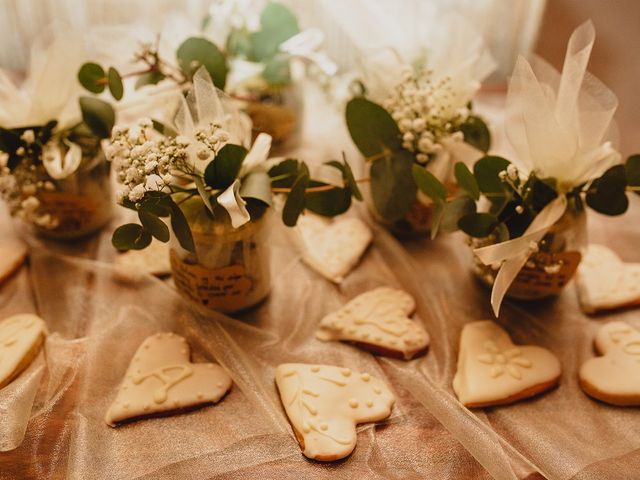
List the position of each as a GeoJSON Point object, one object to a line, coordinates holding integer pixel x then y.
{"type": "Point", "coordinates": [53, 174]}
{"type": "Point", "coordinates": [529, 228]}
{"type": "Point", "coordinates": [214, 192]}
{"type": "Point", "coordinates": [414, 116]}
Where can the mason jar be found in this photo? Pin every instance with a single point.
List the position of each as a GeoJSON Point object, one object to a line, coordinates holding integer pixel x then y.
{"type": "Point", "coordinates": [80, 203]}
{"type": "Point", "coordinates": [548, 270]}
{"type": "Point", "coordinates": [230, 270]}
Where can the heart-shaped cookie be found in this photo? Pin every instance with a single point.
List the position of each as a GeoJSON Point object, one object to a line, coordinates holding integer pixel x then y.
{"type": "Point", "coordinates": [494, 371]}
{"type": "Point", "coordinates": [325, 403]}
{"type": "Point", "coordinates": [21, 337]}
{"type": "Point", "coordinates": [378, 321]}
{"type": "Point", "coordinates": [615, 376]}
{"type": "Point", "coordinates": [605, 282]}
{"type": "Point", "coordinates": [12, 256]}
{"type": "Point", "coordinates": [332, 248]}
{"type": "Point", "coordinates": [161, 379]}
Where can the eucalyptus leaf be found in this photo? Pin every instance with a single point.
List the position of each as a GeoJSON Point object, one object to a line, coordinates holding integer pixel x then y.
{"type": "Point", "coordinates": [195, 52]}
{"type": "Point", "coordinates": [633, 172]}
{"type": "Point", "coordinates": [392, 186]}
{"type": "Point", "coordinates": [149, 78]}
{"type": "Point", "coordinates": [92, 77]}
{"type": "Point", "coordinates": [98, 115]}
{"type": "Point", "coordinates": [453, 211]}
{"type": "Point", "coordinates": [130, 237]}
{"type": "Point", "coordinates": [204, 194]}
{"type": "Point", "coordinates": [224, 168]}
{"type": "Point", "coordinates": [328, 203]}
{"type": "Point", "coordinates": [154, 225]}
{"type": "Point", "coordinates": [286, 172]}
{"type": "Point", "coordinates": [371, 127]}
{"type": "Point", "coordinates": [158, 206]}
{"type": "Point", "coordinates": [429, 184]}
{"type": "Point", "coordinates": [277, 24]}
{"type": "Point", "coordinates": [115, 84]}
{"type": "Point", "coordinates": [257, 185]}
{"type": "Point", "coordinates": [478, 225]}
{"type": "Point", "coordinates": [501, 233]}
{"type": "Point", "coordinates": [276, 70]}
{"type": "Point", "coordinates": [163, 129]}
{"type": "Point", "coordinates": [294, 205]}
{"type": "Point", "coordinates": [607, 193]}
{"type": "Point", "coordinates": [466, 180]}
{"type": "Point", "coordinates": [487, 170]}
{"type": "Point", "coordinates": [181, 228]}
{"type": "Point", "coordinates": [476, 133]}
{"type": "Point", "coordinates": [347, 175]}
{"type": "Point", "coordinates": [239, 43]}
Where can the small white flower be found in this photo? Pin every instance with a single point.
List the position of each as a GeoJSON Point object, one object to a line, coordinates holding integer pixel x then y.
{"type": "Point", "coordinates": [519, 209]}
{"type": "Point", "coordinates": [28, 136]}
{"type": "Point", "coordinates": [512, 172]}
{"type": "Point", "coordinates": [422, 158]}
{"type": "Point", "coordinates": [425, 145]}
{"type": "Point", "coordinates": [29, 189]}
{"type": "Point", "coordinates": [137, 193]}
{"type": "Point", "coordinates": [502, 175]}
{"type": "Point", "coordinates": [405, 125]}
{"type": "Point", "coordinates": [419, 124]}
{"type": "Point", "coordinates": [408, 137]}
{"type": "Point", "coordinates": [20, 151]}
{"type": "Point", "coordinates": [150, 167]}
{"type": "Point", "coordinates": [533, 247]}
{"type": "Point", "coordinates": [30, 203]}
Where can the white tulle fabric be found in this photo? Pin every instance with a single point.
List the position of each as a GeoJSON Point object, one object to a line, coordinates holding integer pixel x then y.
{"type": "Point", "coordinates": [559, 126]}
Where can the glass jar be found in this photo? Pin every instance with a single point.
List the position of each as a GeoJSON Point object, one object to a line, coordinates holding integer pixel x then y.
{"type": "Point", "coordinates": [81, 203]}
{"type": "Point", "coordinates": [230, 270]}
{"type": "Point", "coordinates": [548, 270]}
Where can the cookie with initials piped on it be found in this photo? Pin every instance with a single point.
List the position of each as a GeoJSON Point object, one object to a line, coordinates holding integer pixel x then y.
{"type": "Point", "coordinates": [324, 404]}
{"type": "Point", "coordinates": [378, 321]}
{"type": "Point", "coordinates": [21, 338]}
{"type": "Point", "coordinates": [614, 377]}
{"type": "Point", "coordinates": [492, 370]}
{"type": "Point", "coordinates": [161, 379]}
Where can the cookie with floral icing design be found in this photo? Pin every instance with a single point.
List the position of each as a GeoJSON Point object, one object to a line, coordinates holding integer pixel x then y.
{"type": "Point", "coordinates": [153, 260]}
{"type": "Point", "coordinates": [614, 377]}
{"type": "Point", "coordinates": [378, 321]}
{"type": "Point", "coordinates": [161, 379]}
{"type": "Point", "coordinates": [605, 282]}
{"type": "Point", "coordinates": [21, 337]}
{"type": "Point", "coordinates": [325, 403]}
{"type": "Point", "coordinates": [12, 256]}
{"type": "Point", "coordinates": [332, 248]}
{"type": "Point", "coordinates": [494, 371]}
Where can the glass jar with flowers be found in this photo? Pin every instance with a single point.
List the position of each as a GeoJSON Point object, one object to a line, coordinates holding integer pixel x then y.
{"type": "Point", "coordinates": [528, 230]}
{"type": "Point", "coordinates": [53, 172]}
{"type": "Point", "coordinates": [202, 188]}
{"type": "Point", "coordinates": [415, 115]}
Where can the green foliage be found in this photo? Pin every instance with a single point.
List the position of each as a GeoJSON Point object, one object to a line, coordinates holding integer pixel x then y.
{"type": "Point", "coordinates": [294, 205]}
{"type": "Point", "coordinates": [476, 133]}
{"type": "Point", "coordinates": [285, 173]}
{"type": "Point", "coordinates": [154, 225]}
{"type": "Point", "coordinates": [92, 77]}
{"type": "Point", "coordinates": [98, 116]}
{"type": "Point", "coordinates": [429, 184]}
{"type": "Point", "coordinates": [277, 24]}
{"type": "Point", "coordinates": [131, 237]}
{"type": "Point", "coordinates": [371, 128]}
{"type": "Point", "coordinates": [466, 180]}
{"type": "Point", "coordinates": [633, 172]}
{"type": "Point", "coordinates": [392, 185]}
{"type": "Point", "coordinates": [347, 175]}
{"type": "Point", "coordinates": [478, 225]}
{"type": "Point", "coordinates": [452, 212]}
{"type": "Point", "coordinates": [195, 52]}
{"type": "Point", "coordinates": [607, 194]}
{"type": "Point", "coordinates": [487, 170]}
{"type": "Point", "coordinates": [149, 78]}
{"type": "Point", "coordinates": [224, 168]}
{"type": "Point", "coordinates": [276, 70]}
{"type": "Point", "coordinates": [115, 84]}
{"type": "Point", "coordinates": [163, 129]}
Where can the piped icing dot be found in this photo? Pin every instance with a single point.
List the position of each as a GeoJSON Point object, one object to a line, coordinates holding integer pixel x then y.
{"type": "Point", "coordinates": [365, 377]}
{"type": "Point", "coordinates": [369, 403]}
{"type": "Point", "coordinates": [315, 369]}
{"type": "Point", "coordinates": [176, 403]}
{"type": "Point", "coordinates": [323, 426]}
{"type": "Point", "coordinates": [353, 403]}
{"type": "Point", "coordinates": [345, 372]}
{"type": "Point", "coordinates": [146, 407]}
{"type": "Point", "coordinates": [377, 390]}
{"type": "Point", "coordinates": [183, 351]}
{"type": "Point", "coordinates": [219, 385]}
{"type": "Point", "coordinates": [125, 405]}
{"type": "Point", "coordinates": [200, 395]}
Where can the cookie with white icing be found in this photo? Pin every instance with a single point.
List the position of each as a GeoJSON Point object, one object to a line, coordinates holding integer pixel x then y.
{"type": "Point", "coordinates": [325, 403]}
{"type": "Point", "coordinates": [614, 377]}
{"type": "Point", "coordinates": [605, 282]}
{"type": "Point", "coordinates": [12, 256]}
{"type": "Point", "coordinates": [153, 260]}
{"type": "Point", "coordinates": [21, 337]}
{"type": "Point", "coordinates": [494, 371]}
{"type": "Point", "coordinates": [332, 248]}
{"type": "Point", "coordinates": [378, 321]}
{"type": "Point", "coordinates": [161, 379]}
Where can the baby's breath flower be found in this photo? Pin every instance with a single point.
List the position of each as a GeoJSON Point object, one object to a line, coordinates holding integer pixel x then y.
{"type": "Point", "coordinates": [28, 136]}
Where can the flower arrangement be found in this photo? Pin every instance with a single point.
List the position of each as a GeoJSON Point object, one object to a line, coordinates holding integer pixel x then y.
{"type": "Point", "coordinates": [50, 154]}
{"type": "Point", "coordinates": [531, 208]}
{"type": "Point", "coordinates": [414, 117]}
{"type": "Point", "coordinates": [205, 157]}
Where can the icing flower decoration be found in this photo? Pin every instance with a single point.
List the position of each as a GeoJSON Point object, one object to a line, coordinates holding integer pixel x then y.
{"type": "Point", "coordinates": [510, 361]}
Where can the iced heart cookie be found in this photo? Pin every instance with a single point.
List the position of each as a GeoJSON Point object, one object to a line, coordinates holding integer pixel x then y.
{"type": "Point", "coordinates": [378, 321]}
{"type": "Point", "coordinates": [494, 371]}
{"type": "Point", "coordinates": [615, 376]}
{"type": "Point", "coordinates": [605, 282]}
{"type": "Point", "coordinates": [153, 260]}
{"type": "Point", "coordinates": [161, 379]}
{"type": "Point", "coordinates": [325, 403]}
{"type": "Point", "coordinates": [12, 256]}
{"type": "Point", "coordinates": [21, 338]}
{"type": "Point", "coordinates": [332, 248]}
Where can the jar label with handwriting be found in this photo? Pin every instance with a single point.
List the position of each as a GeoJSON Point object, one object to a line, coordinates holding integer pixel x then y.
{"type": "Point", "coordinates": [226, 289]}
{"type": "Point", "coordinates": [73, 212]}
{"type": "Point", "coordinates": [545, 274]}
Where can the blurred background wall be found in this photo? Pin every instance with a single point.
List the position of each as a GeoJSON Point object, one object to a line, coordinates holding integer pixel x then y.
{"type": "Point", "coordinates": [615, 59]}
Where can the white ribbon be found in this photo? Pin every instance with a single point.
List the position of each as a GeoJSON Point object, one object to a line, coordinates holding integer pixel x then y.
{"type": "Point", "coordinates": [305, 45]}
{"type": "Point", "coordinates": [58, 167]}
{"type": "Point", "coordinates": [514, 253]}
{"type": "Point", "coordinates": [233, 203]}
